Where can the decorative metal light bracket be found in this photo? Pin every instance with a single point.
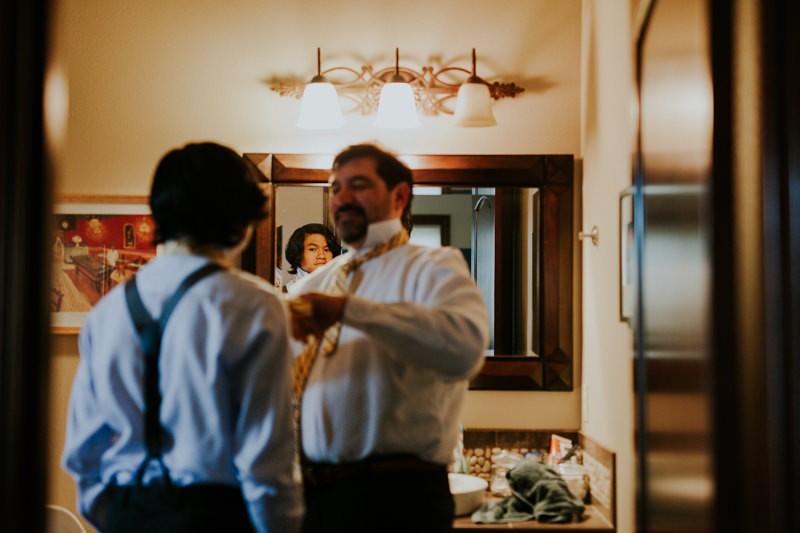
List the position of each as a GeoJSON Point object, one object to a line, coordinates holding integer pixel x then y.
{"type": "Point", "coordinates": [363, 88]}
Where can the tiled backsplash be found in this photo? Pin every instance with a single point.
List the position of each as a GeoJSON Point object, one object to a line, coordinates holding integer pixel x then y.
{"type": "Point", "coordinates": [481, 444]}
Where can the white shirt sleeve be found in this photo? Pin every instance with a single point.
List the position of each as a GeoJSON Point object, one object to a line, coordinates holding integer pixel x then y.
{"type": "Point", "coordinates": [447, 317]}
{"type": "Point", "coordinates": [263, 378]}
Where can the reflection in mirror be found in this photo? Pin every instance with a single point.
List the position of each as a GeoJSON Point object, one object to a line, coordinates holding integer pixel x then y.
{"type": "Point", "coordinates": [295, 206]}
{"type": "Point", "coordinates": [470, 213]}
{"type": "Point", "coordinates": [462, 217]}
{"type": "Point", "coordinates": [523, 263]}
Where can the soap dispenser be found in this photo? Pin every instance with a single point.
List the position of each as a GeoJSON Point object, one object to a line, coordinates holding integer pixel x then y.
{"type": "Point", "coordinates": [459, 464]}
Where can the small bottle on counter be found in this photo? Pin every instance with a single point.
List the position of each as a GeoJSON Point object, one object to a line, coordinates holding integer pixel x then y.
{"type": "Point", "coordinates": [459, 464]}
{"type": "Point", "coordinates": [502, 462]}
{"type": "Point", "coordinates": [536, 456]}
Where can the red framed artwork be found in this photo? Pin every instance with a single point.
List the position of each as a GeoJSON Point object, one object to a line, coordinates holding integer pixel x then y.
{"type": "Point", "coordinates": [98, 242]}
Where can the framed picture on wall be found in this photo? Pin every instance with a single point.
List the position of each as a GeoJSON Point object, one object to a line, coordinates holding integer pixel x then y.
{"type": "Point", "coordinates": [626, 255]}
{"type": "Point", "coordinates": [98, 242]}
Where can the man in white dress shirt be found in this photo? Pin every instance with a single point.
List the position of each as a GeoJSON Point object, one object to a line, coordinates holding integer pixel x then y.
{"type": "Point", "coordinates": [379, 415]}
{"type": "Point", "coordinates": [224, 371]}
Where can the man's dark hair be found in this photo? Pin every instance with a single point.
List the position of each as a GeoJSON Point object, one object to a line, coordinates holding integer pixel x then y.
{"type": "Point", "coordinates": [391, 170]}
{"type": "Point", "coordinates": [295, 248]}
{"type": "Point", "coordinates": [207, 194]}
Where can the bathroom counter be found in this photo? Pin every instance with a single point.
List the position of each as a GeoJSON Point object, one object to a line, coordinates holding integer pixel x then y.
{"type": "Point", "coordinates": [592, 521]}
{"type": "Point", "coordinates": [600, 464]}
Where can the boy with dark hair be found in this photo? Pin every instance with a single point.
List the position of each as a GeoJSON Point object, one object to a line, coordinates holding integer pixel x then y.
{"type": "Point", "coordinates": [224, 442]}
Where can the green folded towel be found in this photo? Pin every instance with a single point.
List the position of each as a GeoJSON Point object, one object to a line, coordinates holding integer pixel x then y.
{"type": "Point", "coordinates": [538, 493]}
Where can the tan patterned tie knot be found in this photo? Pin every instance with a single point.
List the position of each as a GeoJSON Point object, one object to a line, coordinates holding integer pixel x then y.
{"type": "Point", "coordinates": [326, 346]}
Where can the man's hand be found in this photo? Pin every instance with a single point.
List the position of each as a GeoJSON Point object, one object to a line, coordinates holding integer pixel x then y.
{"type": "Point", "coordinates": [314, 312]}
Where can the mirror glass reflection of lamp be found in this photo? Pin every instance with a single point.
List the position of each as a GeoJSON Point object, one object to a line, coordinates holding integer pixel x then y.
{"type": "Point", "coordinates": [474, 102]}
{"type": "Point", "coordinates": [396, 107]}
{"type": "Point", "coordinates": [319, 108]}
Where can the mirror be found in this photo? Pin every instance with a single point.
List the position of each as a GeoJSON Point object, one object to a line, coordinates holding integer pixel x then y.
{"type": "Point", "coordinates": [519, 220]}
{"type": "Point", "coordinates": [462, 217]}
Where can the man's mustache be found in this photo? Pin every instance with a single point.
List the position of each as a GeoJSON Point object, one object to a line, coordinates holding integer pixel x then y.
{"type": "Point", "coordinates": [357, 209]}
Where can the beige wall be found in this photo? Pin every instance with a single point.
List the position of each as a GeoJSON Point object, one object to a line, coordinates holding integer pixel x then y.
{"type": "Point", "coordinates": [149, 75]}
{"type": "Point", "coordinates": [607, 143]}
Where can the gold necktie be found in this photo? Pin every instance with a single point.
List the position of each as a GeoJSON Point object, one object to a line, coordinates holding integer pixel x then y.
{"type": "Point", "coordinates": [315, 347]}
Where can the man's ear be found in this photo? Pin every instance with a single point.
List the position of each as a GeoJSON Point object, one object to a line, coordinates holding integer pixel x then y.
{"type": "Point", "coordinates": [401, 194]}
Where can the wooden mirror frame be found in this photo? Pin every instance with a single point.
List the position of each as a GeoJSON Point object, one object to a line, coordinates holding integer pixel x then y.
{"type": "Point", "coordinates": [553, 175]}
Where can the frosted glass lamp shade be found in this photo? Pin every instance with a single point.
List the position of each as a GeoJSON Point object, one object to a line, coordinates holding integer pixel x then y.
{"type": "Point", "coordinates": [474, 106]}
{"type": "Point", "coordinates": [396, 107]}
{"type": "Point", "coordinates": [319, 109]}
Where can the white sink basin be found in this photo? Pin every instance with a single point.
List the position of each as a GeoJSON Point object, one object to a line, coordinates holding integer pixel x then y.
{"type": "Point", "coordinates": [467, 492]}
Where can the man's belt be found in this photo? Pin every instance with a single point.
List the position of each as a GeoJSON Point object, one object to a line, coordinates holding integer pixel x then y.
{"type": "Point", "coordinates": [321, 474]}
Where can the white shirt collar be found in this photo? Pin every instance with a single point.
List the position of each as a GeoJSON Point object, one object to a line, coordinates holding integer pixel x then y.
{"type": "Point", "coordinates": [380, 232]}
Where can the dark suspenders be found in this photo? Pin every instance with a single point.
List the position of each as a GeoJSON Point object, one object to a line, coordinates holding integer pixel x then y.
{"type": "Point", "coordinates": [150, 331]}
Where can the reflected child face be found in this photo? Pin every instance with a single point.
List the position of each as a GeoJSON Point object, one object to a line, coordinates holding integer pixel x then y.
{"type": "Point", "coordinates": [315, 252]}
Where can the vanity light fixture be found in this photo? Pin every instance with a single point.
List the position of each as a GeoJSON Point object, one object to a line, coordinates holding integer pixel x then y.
{"type": "Point", "coordinates": [474, 102]}
{"type": "Point", "coordinates": [396, 106]}
{"type": "Point", "coordinates": [319, 108]}
{"type": "Point", "coordinates": [428, 92]}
